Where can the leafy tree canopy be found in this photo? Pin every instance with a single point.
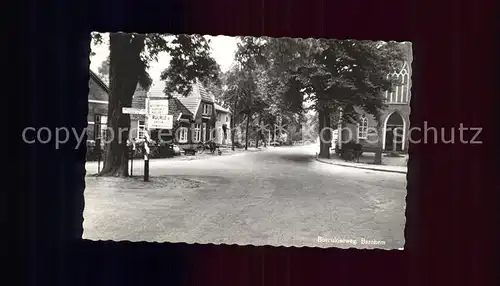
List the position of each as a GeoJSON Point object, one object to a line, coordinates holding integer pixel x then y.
{"type": "Point", "coordinates": [191, 60]}
{"type": "Point", "coordinates": [333, 74]}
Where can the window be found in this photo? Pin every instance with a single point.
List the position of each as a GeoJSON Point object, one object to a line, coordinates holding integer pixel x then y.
{"type": "Point", "coordinates": [227, 118]}
{"type": "Point", "coordinates": [197, 133]}
{"type": "Point", "coordinates": [104, 132]}
{"type": "Point", "coordinates": [207, 109]}
{"type": "Point", "coordinates": [141, 129]}
{"type": "Point", "coordinates": [183, 133]}
{"type": "Point", "coordinates": [101, 123]}
{"type": "Point", "coordinates": [400, 92]}
{"type": "Point", "coordinates": [363, 128]}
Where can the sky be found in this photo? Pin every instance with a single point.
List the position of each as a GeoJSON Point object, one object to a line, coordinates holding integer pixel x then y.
{"type": "Point", "coordinates": [222, 50]}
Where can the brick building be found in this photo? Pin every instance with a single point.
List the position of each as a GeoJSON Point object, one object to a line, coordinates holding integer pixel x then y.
{"type": "Point", "coordinates": [194, 115]}
{"type": "Point", "coordinates": [98, 105]}
{"type": "Point", "coordinates": [201, 103]}
{"type": "Point", "coordinates": [395, 118]}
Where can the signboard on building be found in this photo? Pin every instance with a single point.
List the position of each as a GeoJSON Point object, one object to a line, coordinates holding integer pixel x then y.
{"type": "Point", "coordinates": [158, 117]}
{"type": "Point", "coordinates": [129, 110]}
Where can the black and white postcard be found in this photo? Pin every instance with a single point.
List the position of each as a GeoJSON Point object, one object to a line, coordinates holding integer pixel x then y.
{"type": "Point", "coordinates": [247, 140]}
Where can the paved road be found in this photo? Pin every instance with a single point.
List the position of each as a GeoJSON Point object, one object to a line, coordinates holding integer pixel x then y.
{"type": "Point", "coordinates": [279, 196]}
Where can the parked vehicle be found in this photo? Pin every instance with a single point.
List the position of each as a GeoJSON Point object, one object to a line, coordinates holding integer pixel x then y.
{"type": "Point", "coordinates": [167, 150]}
{"type": "Point", "coordinates": [275, 144]}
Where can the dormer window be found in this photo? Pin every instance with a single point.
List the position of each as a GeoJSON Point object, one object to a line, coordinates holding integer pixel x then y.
{"type": "Point", "coordinates": [207, 109]}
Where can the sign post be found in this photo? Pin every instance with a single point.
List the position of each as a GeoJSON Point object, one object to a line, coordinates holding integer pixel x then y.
{"type": "Point", "coordinates": [146, 157]}
{"type": "Point", "coordinates": [146, 146]}
{"type": "Point", "coordinates": [157, 117]}
{"type": "Point", "coordinates": [157, 113]}
{"type": "Point", "coordinates": [129, 110]}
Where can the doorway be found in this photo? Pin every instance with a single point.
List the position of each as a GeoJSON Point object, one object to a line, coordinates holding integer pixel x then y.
{"type": "Point", "coordinates": [394, 133]}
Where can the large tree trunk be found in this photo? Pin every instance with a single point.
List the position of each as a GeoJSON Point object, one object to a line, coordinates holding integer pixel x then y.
{"type": "Point", "coordinates": [125, 59]}
{"type": "Point", "coordinates": [378, 152]}
{"type": "Point", "coordinates": [324, 133]}
{"type": "Point", "coordinates": [246, 131]}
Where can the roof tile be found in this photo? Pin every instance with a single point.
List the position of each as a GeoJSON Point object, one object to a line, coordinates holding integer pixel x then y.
{"type": "Point", "coordinates": [220, 108]}
{"type": "Point", "coordinates": [191, 103]}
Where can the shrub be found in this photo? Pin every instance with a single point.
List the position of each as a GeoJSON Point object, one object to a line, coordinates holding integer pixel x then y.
{"type": "Point", "coordinates": [93, 152]}
{"type": "Point", "coordinates": [139, 149]}
{"type": "Point", "coordinates": [350, 151]}
{"type": "Point", "coordinates": [337, 149]}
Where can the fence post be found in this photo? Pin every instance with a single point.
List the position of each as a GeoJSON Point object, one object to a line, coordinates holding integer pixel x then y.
{"type": "Point", "coordinates": [98, 147]}
{"type": "Point", "coordinates": [146, 168]}
{"type": "Point", "coordinates": [132, 153]}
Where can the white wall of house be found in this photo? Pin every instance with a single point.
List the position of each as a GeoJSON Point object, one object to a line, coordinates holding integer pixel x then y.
{"type": "Point", "coordinates": [222, 118]}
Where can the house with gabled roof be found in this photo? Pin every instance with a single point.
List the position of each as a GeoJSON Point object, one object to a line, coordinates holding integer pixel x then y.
{"type": "Point", "coordinates": [182, 117]}
{"type": "Point", "coordinates": [97, 104]}
{"type": "Point", "coordinates": [194, 116]}
{"type": "Point", "coordinates": [200, 102]}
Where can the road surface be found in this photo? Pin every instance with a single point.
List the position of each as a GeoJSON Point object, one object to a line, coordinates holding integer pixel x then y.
{"type": "Point", "coordinates": [278, 196]}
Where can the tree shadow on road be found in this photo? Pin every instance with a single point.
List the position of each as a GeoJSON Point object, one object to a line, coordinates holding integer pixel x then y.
{"type": "Point", "coordinates": [298, 158]}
